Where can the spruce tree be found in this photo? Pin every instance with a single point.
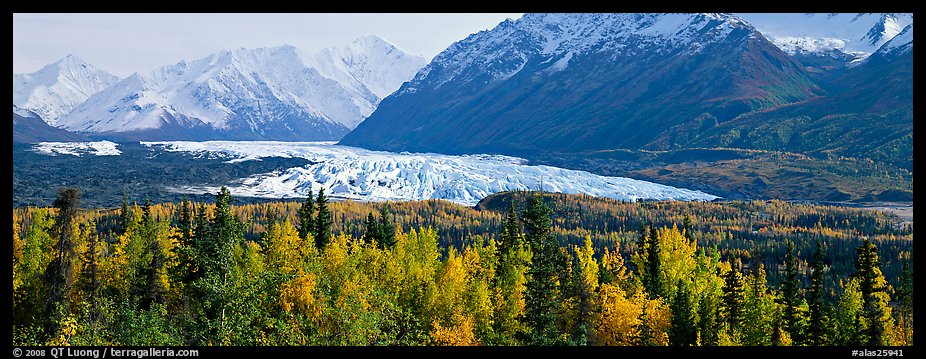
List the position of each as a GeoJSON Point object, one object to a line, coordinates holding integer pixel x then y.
{"type": "Point", "coordinates": [155, 290]}
{"type": "Point", "coordinates": [653, 264]}
{"type": "Point", "coordinates": [125, 215]}
{"type": "Point", "coordinates": [224, 232]}
{"type": "Point", "coordinates": [683, 330]}
{"type": "Point", "coordinates": [146, 211]}
{"type": "Point", "coordinates": [323, 221]}
{"type": "Point", "coordinates": [818, 327]}
{"type": "Point", "coordinates": [542, 298]}
{"type": "Point", "coordinates": [59, 272]}
{"type": "Point", "coordinates": [905, 301]}
{"type": "Point", "coordinates": [790, 292]}
{"type": "Point", "coordinates": [371, 232]}
{"type": "Point", "coordinates": [867, 269]}
{"type": "Point", "coordinates": [305, 214]}
{"type": "Point", "coordinates": [511, 232]}
{"type": "Point", "coordinates": [386, 228]}
{"type": "Point", "coordinates": [708, 323]}
{"type": "Point", "coordinates": [686, 227]}
{"type": "Point", "coordinates": [733, 300]}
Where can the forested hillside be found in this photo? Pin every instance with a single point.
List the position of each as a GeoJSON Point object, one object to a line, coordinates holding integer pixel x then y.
{"type": "Point", "coordinates": [521, 268]}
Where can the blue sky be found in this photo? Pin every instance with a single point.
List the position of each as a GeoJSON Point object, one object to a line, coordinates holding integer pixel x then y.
{"type": "Point", "coordinates": [127, 43]}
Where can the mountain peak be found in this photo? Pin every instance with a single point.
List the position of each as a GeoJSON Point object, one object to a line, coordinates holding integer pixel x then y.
{"type": "Point", "coordinates": [855, 34]}
{"type": "Point", "coordinates": [362, 65]}
{"type": "Point", "coordinates": [56, 88]}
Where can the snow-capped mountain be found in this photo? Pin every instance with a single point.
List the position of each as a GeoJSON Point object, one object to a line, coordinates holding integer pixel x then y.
{"type": "Point", "coordinates": [902, 43]}
{"type": "Point", "coordinates": [367, 65]}
{"type": "Point", "coordinates": [266, 93]}
{"type": "Point", "coordinates": [856, 34]}
{"type": "Point", "coordinates": [55, 89]}
{"type": "Point", "coordinates": [574, 82]}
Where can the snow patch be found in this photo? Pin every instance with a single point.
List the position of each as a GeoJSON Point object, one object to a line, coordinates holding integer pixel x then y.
{"type": "Point", "coordinates": [98, 148]}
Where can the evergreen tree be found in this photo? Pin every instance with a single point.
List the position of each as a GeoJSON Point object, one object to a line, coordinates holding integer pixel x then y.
{"type": "Point", "coordinates": [905, 301]}
{"type": "Point", "coordinates": [371, 233]}
{"type": "Point", "coordinates": [683, 331]}
{"type": "Point", "coordinates": [306, 220]}
{"type": "Point", "coordinates": [59, 272]}
{"type": "Point", "coordinates": [125, 215]}
{"type": "Point", "coordinates": [156, 285]}
{"type": "Point", "coordinates": [654, 270]}
{"type": "Point", "coordinates": [146, 219]}
{"type": "Point", "coordinates": [708, 326]}
{"type": "Point", "coordinates": [733, 300]}
{"type": "Point", "coordinates": [511, 232]}
{"type": "Point", "coordinates": [224, 231]}
{"type": "Point", "coordinates": [542, 297]}
{"type": "Point", "coordinates": [818, 327]}
{"type": "Point", "coordinates": [871, 284]}
{"type": "Point", "coordinates": [790, 296]}
{"type": "Point", "coordinates": [93, 287]}
{"type": "Point", "coordinates": [386, 228]}
{"type": "Point", "coordinates": [223, 234]}
{"type": "Point", "coordinates": [323, 221]}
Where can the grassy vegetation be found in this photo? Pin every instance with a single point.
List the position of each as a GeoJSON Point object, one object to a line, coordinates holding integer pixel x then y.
{"type": "Point", "coordinates": [753, 174]}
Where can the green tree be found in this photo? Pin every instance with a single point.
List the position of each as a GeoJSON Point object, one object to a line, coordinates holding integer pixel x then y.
{"type": "Point", "coordinates": [684, 330]}
{"type": "Point", "coordinates": [125, 215]}
{"type": "Point", "coordinates": [654, 265]}
{"type": "Point", "coordinates": [323, 221]}
{"type": "Point", "coordinates": [819, 323]}
{"type": "Point", "coordinates": [223, 235]}
{"type": "Point", "coordinates": [306, 220]}
{"type": "Point", "coordinates": [905, 302]}
{"type": "Point", "coordinates": [509, 280]}
{"type": "Point", "coordinates": [542, 297]}
{"type": "Point", "coordinates": [708, 323]}
{"type": "Point", "coordinates": [733, 300]}
{"type": "Point", "coordinates": [511, 232]}
{"type": "Point", "coordinates": [687, 228]}
{"type": "Point", "coordinates": [791, 297]}
{"type": "Point", "coordinates": [371, 232]}
{"type": "Point", "coordinates": [59, 274]}
{"type": "Point", "coordinates": [874, 294]}
{"type": "Point", "coordinates": [386, 228]}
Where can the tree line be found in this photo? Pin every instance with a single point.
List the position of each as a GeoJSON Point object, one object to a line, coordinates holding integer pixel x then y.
{"type": "Point", "coordinates": [192, 275]}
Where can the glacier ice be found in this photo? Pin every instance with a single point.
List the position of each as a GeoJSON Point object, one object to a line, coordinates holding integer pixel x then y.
{"type": "Point", "coordinates": [360, 174]}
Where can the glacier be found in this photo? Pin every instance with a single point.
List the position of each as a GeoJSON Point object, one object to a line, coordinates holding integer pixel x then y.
{"type": "Point", "coordinates": [360, 174]}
